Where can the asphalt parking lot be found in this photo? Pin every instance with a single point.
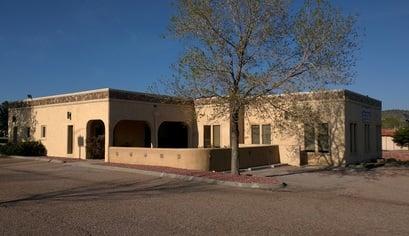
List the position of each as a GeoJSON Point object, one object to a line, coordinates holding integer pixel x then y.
{"type": "Point", "coordinates": [52, 198]}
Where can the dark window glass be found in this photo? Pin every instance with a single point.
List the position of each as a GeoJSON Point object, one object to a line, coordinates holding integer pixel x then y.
{"type": "Point", "coordinates": [216, 135]}
{"type": "Point", "coordinates": [352, 137]}
{"type": "Point", "coordinates": [43, 131]}
{"type": "Point", "coordinates": [70, 139]}
{"type": "Point", "coordinates": [15, 134]}
{"type": "Point", "coordinates": [207, 136]}
{"type": "Point", "coordinates": [309, 138]}
{"type": "Point", "coordinates": [255, 134]}
{"type": "Point", "coordinates": [28, 132]}
{"type": "Point", "coordinates": [266, 133]}
{"type": "Point", "coordinates": [367, 143]}
{"type": "Point", "coordinates": [323, 138]}
{"type": "Point", "coordinates": [378, 139]}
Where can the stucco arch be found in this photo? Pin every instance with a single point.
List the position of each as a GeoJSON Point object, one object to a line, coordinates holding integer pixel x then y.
{"type": "Point", "coordinates": [95, 140]}
{"type": "Point", "coordinates": [132, 133]}
{"type": "Point", "coordinates": [173, 134]}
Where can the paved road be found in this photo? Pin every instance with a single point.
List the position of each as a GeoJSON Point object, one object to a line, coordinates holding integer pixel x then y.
{"type": "Point", "coordinates": [50, 199]}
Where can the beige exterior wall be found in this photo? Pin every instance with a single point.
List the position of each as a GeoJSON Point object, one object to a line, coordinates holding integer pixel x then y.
{"type": "Point", "coordinates": [289, 135]}
{"type": "Point", "coordinates": [360, 114]}
{"type": "Point", "coordinates": [54, 118]}
{"type": "Point", "coordinates": [338, 109]}
{"type": "Point", "coordinates": [154, 114]}
{"type": "Point", "coordinates": [389, 145]}
{"type": "Point", "coordinates": [206, 159]}
{"type": "Point", "coordinates": [192, 159]}
{"type": "Point", "coordinates": [110, 111]}
{"type": "Point", "coordinates": [209, 115]}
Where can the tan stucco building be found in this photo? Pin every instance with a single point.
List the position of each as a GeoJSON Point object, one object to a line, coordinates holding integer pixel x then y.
{"type": "Point", "coordinates": [132, 127]}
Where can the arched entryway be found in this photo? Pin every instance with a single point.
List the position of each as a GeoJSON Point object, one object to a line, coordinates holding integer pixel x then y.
{"type": "Point", "coordinates": [132, 133]}
{"type": "Point", "coordinates": [173, 135]}
{"type": "Point", "coordinates": [95, 142]}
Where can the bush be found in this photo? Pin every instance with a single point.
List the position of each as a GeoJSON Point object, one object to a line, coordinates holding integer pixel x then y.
{"type": "Point", "coordinates": [401, 137]}
{"type": "Point", "coordinates": [96, 147]}
{"type": "Point", "coordinates": [24, 149]}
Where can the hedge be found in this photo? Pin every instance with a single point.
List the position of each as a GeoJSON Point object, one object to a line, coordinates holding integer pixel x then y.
{"type": "Point", "coordinates": [31, 148]}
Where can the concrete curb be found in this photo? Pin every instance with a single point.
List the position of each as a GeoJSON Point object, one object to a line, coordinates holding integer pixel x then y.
{"type": "Point", "coordinates": [181, 177]}
{"type": "Point", "coordinates": [45, 159]}
{"type": "Point", "coordinates": [158, 174]}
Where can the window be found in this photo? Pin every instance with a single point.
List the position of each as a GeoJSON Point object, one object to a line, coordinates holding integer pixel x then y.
{"type": "Point", "coordinates": [216, 135]}
{"type": "Point", "coordinates": [70, 139]}
{"type": "Point", "coordinates": [266, 133]}
{"type": "Point", "coordinates": [378, 139]}
{"type": "Point", "coordinates": [352, 137]}
{"type": "Point", "coordinates": [207, 142]}
{"type": "Point", "coordinates": [15, 134]}
{"type": "Point", "coordinates": [28, 132]}
{"type": "Point", "coordinates": [43, 131]}
{"type": "Point", "coordinates": [323, 137]}
{"type": "Point", "coordinates": [255, 134]}
{"type": "Point", "coordinates": [309, 138]}
{"type": "Point", "coordinates": [367, 135]}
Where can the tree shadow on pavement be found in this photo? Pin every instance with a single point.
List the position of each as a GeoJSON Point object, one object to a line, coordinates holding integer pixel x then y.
{"type": "Point", "coordinates": [113, 191]}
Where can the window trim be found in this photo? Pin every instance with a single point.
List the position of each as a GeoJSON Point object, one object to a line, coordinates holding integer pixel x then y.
{"type": "Point", "coordinates": [15, 134]}
{"type": "Point", "coordinates": [367, 138]}
{"type": "Point", "coordinates": [353, 138]}
{"type": "Point", "coordinates": [27, 132]}
{"type": "Point", "coordinates": [253, 136]}
{"type": "Point", "coordinates": [213, 136]}
{"type": "Point", "coordinates": [209, 144]}
{"type": "Point", "coordinates": [328, 137]}
{"type": "Point", "coordinates": [263, 135]}
{"type": "Point", "coordinates": [43, 132]}
{"type": "Point", "coordinates": [312, 126]}
{"type": "Point", "coordinates": [70, 142]}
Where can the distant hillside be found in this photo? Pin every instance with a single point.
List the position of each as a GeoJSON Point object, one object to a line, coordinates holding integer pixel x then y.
{"type": "Point", "coordinates": [394, 118]}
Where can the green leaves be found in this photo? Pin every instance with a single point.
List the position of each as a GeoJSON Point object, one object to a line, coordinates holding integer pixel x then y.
{"type": "Point", "coordinates": [246, 48]}
{"type": "Point", "coordinates": [401, 137]}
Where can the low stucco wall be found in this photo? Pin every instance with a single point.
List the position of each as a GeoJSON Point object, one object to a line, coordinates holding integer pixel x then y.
{"type": "Point", "coordinates": [186, 158]}
{"type": "Point", "coordinates": [220, 159]}
{"type": "Point", "coordinates": [194, 158]}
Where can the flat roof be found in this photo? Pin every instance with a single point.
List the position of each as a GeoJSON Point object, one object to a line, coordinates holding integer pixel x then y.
{"type": "Point", "coordinates": [97, 94]}
{"type": "Point", "coordinates": [109, 93]}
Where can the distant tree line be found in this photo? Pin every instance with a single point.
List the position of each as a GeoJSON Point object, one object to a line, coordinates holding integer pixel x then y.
{"type": "Point", "coordinates": [394, 119]}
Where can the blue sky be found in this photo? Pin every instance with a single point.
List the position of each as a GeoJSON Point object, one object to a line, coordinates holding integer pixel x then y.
{"type": "Point", "coordinates": [54, 46]}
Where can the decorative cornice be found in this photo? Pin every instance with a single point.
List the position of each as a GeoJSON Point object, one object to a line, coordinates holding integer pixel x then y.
{"type": "Point", "coordinates": [79, 97]}
{"type": "Point", "coordinates": [146, 97]}
{"type": "Point", "coordinates": [98, 95]}
{"type": "Point", "coordinates": [153, 98]}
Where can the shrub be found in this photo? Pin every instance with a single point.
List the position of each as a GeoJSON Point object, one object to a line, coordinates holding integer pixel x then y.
{"type": "Point", "coordinates": [96, 147]}
{"type": "Point", "coordinates": [401, 137]}
{"type": "Point", "coordinates": [31, 148]}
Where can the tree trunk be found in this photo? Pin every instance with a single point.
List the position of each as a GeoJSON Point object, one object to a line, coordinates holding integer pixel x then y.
{"type": "Point", "coordinates": [234, 141]}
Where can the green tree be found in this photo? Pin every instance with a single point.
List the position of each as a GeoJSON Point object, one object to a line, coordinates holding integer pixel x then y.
{"type": "Point", "coordinates": [4, 118]}
{"type": "Point", "coordinates": [238, 51]}
{"type": "Point", "coordinates": [401, 137]}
